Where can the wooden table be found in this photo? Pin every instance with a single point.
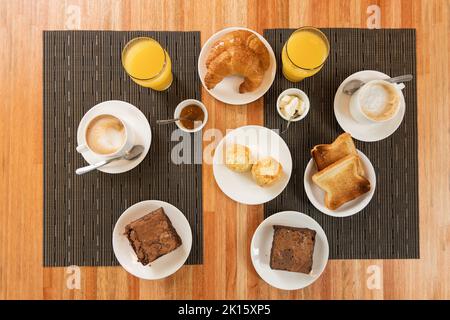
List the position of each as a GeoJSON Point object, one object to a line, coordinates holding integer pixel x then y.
{"type": "Point", "coordinates": [227, 271]}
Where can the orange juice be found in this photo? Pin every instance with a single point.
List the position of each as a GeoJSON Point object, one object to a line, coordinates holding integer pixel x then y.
{"type": "Point", "coordinates": [147, 63]}
{"type": "Point", "coordinates": [304, 53]}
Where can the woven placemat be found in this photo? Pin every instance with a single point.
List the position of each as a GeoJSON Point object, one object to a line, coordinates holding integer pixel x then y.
{"type": "Point", "coordinates": [389, 226]}
{"type": "Point", "coordinates": [82, 69]}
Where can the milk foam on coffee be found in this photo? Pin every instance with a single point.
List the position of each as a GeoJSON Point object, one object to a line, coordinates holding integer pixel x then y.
{"type": "Point", "coordinates": [105, 134]}
{"type": "Point", "coordinates": [379, 101]}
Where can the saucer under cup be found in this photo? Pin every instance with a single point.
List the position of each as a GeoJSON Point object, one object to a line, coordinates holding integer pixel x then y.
{"type": "Point", "coordinates": [363, 131]}
{"type": "Point", "coordinates": [133, 117]}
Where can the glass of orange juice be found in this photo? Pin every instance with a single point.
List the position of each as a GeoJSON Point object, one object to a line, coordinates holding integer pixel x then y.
{"type": "Point", "coordinates": [304, 53]}
{"type": "Point", "coordinates": [147, 63]}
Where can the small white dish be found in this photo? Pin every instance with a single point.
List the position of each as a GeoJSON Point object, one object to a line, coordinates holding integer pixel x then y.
{"type": "Point", "coordinates": [298, 93]}
{"type": "Point", "coordinates": [186, 103]}
{"type": "Point", "coordinates": [317, 196]}
{"type": "Point", "coordinates": [360, 131]}
{"type": "Point", "coordinates": [227, 90]}
{"type": "Point", "coordinates": [133, 117]}
{"type": "Point", "coordinates": [240, 186]}
{"type": "Point", "coordinates": [262, 243]}
{"type": "Point", "coordinates": [163, 266]}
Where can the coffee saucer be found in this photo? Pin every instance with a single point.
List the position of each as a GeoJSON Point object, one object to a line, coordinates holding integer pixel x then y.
{"type": "Point", "coordinates": [359, 131]}
{"type": "Point", "coordinates": [131, 115]}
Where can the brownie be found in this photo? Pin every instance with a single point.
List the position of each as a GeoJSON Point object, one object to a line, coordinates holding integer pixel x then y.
{"type": "Point", "coordinates": [292, 249]}
{"type": "Point", "coordinates": [152, 236]}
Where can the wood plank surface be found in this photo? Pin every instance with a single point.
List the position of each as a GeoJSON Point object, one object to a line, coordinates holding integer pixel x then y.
{"type": "Point", "coordinates": [227, 271]}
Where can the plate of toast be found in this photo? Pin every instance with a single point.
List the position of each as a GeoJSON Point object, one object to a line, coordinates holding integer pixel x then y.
{"type": "Point", "coordinates": [237, 65]}
{"type": "Point", "coordinates": [339, 180]}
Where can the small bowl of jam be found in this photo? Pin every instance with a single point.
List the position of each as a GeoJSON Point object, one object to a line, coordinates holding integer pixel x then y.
{"type": "Point", "coordinates": [193, 115]}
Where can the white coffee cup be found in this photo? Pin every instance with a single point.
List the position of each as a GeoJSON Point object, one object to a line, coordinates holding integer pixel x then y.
{"type": "Point", "coordinates": [377, 101]}
{"type": "Point", "coordinates": [106, 136]}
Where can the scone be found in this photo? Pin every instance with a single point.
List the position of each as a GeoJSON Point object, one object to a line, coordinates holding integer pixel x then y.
{"type": "Point", "coordinates": [266, 171]}
{"type": "Point", "coordinates": [238, 158]}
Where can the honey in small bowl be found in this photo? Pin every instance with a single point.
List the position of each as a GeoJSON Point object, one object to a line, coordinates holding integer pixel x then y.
{"type": "Point", "coordinates": [192, 116]}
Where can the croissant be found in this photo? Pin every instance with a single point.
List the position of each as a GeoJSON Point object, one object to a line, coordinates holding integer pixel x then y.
{"type": "Point", "coordinates": [238, 52]}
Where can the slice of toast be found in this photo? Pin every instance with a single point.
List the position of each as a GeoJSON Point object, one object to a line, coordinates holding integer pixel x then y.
{"type": "Point", "coordinates": [326, 154]}
{"type": "Point", "coordinates": [342, 182]}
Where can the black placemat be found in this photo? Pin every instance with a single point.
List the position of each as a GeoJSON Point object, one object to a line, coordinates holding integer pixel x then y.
{"type": "Point", "coordinates": [389, 226]}
{"type": "Point", "coordinates": [81, 69]}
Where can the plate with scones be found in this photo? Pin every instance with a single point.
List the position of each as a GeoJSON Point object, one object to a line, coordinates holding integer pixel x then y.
{"type": "Point", "coordinates": [252, 165]}
{"type": "Point", "coordinates": [237, 65]}
{"type": "Point", "coordinates": [152, 239]}
{"type": "Point", "coordinates": [339, 180]}
{"type": "Point", "coordinates": [289, 250]}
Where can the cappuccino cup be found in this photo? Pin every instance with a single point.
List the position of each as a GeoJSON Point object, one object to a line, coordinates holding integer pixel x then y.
{"type": "Point", "coordinates": [106, 136]}
{"type": "Point", "coordinates": [376, 101]}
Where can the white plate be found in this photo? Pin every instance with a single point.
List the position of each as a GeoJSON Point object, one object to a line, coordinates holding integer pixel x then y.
{"type": "Point", "coordinates": [228, 89]}
{"type": "Point", "coordinates": [317, 196]}
{"type": "Point", "coordinates": [262, 244]}
{"type": "Point", "coordinates": [131, 115]}
{"type": "Point", "coordinates": [365, 132]}
{"type": "Point", "coordinates": [163, 266]}
{"type": "Point", "coordinates": [240, 186]}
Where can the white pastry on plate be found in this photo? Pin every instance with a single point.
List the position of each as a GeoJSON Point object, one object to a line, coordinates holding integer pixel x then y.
{"type": "Point", "coordinates": [238, 158]}
{"type": "Point", "coordinates": [266, 171]}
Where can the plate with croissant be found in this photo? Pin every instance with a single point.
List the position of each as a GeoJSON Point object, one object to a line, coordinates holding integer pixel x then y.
{"type": "Point", "coordinates": [252, 165]}
{"type": "Point", "coordinates": [237, 65]}
{"type": "Point", "coordinates": [339, 180]}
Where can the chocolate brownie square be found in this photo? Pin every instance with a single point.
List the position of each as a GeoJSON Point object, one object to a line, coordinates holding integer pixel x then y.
{"type": "Point", "coordinates": [152, 236]}
{"type": "Point", "coordinates": [292, 249]}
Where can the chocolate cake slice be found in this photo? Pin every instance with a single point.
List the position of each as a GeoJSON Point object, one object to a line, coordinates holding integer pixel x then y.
{"type": "Point", "coordinates": [292, 249]}
{"type": "Point", "coordinates": [152, 236]}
